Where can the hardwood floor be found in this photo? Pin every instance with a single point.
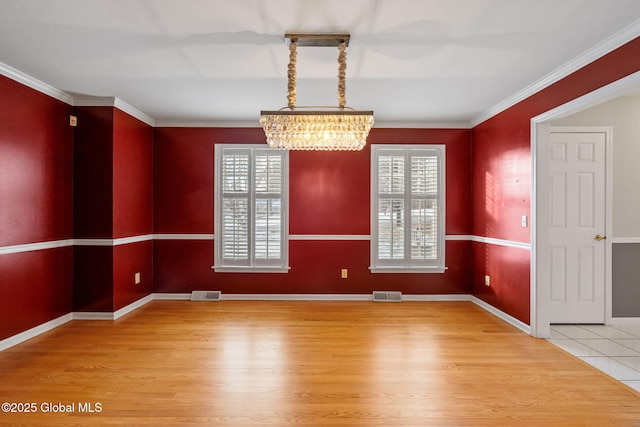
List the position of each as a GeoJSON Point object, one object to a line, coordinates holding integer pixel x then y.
{"type": "Point", "coordinates": [313, 363]}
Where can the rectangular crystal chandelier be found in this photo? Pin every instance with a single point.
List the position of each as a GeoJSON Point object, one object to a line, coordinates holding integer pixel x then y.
{"type": "Point", "coordinates": [317, 128]}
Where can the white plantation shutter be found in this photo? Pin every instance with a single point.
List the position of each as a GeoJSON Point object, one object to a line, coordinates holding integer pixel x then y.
{"type": "Point", "coordinates": [251, 193]}
{"type": "Point", "coordinates": [407, 195]}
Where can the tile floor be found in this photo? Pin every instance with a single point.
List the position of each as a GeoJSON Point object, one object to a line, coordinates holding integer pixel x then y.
{"type": "Point", "coordinates": [615, 350]}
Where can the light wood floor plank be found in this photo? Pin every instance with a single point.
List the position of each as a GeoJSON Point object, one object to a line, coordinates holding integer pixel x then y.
{"type": "Point", "coordinates": [241, 363]}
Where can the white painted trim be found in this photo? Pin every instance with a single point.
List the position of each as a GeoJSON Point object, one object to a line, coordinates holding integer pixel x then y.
{"type": "Point", "coordinates": [14, 249]}
{"type": "Point", "coordinates": [105, 315]}
{"type": "Point", "coordinates": [624, 321]}
{"type": "Point", "coordinates": [608, 226]}
{"type": "Point", "coordinates": [93, 101]}
{"type": "Point", "coordinates": [34, 332]}
{"type": "Point", "coordinates": [295, 297]}
{"type": "Point", "coordinates": [158, 296]}
{"type": "Point", "coordinates": [113, 242]}
{"type": "Point", "coordinates": [420, 270]}
{"type": "Point", "coordinates": [500, 242]}
{"type": "Point", "coordinates": [488, 240]}
{"type": "Point", "coordinates": [244, 269]}
{"type": "Point", "coordinates": [538, 313]}
{"type": "Point", "coordinates": [459, 237]}
{"type": "Point", "coordinates": [256, 124]}
{"type": "Point", "coordinates": [110, 101]}
{"type": "Point", "coordinates": [329, 237]}
{"type": "Point", "coordinates": [133, 306]}
{"type": "Point", "coordinates": [436, 297]}
{"type": "Point", "coordinates": [134, 112]}
{"type": "Point", "coordinates": [208, 124]}
{"type": "Point", "coordinates": [133, 239]}
{"type": "Point", "coordinates": [35, 84]}
{"type": "Point", "coordinates": [169, 236]}
{"type": "Point", "coordinates": [625, 240]}
{"type": "Point", "coordinates": [93, 242]}
{"type": "Point", "coordinates": [92, 315]}
{"type": "Point", "coordinates": [606, 46]}
{"type": "Point", "coordinates": [501, 315]}
{"type": "Point", "coordinates": [420, 125]}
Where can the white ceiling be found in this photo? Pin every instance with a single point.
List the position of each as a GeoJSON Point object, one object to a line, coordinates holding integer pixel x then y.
{"type": "Point", "coordinates": [222, 61]}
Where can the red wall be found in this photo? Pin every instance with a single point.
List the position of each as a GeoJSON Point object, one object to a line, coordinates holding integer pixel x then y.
{"type": "Point", "coordinates": [93, 173]}
{"type": "Point", "coordinates": [113, 199]}
{"type": "Point", "coordinates": [328, 195]}
{"type": "Point", "coordinates": [501, 165]}
{"type": "Point", "coordinates": [35, 206]}
{"type": "Point", "coordinates": [132, 207]}
{"type": "Point", "coordinates": [132, 176]}
{"type": "Point", "coordinates": [35, 166]}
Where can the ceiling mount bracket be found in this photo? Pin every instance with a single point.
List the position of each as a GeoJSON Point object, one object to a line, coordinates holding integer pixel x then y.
{"type": "Point", "coordinates": [319, 40]}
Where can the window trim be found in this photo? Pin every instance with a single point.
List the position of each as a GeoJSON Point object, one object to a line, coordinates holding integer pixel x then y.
{"type": "Point", "coordinates": [375, 265]}
{"type": "Point", "coordinates": [254, 267]}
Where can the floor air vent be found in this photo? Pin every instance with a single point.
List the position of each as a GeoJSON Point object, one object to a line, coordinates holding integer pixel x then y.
{"type": "Point", "coordinates": [205, 296]}
{"type": "Point", "coordinates": [387, 296]}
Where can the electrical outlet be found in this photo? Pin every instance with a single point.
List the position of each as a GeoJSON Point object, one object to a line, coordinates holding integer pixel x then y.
{"type": "Point", "coordinates": [344, 273]}
{"type": "Point", "coordinates": [136, 278]}
{"type": "Point", "coordinates": [487, 280]}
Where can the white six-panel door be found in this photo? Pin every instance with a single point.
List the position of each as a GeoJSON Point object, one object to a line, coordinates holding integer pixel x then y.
{"type": "Point", "coordinates": [577, 227]}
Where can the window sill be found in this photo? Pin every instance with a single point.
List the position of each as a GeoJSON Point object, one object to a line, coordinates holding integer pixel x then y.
{"type": "Point", "coordinates": [408, 269]}
{"type": "Point", "coordinates": [250, 269]}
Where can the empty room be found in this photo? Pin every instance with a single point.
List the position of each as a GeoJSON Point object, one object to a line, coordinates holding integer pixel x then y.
{"type": "Point", "coordinates": [373, 212]}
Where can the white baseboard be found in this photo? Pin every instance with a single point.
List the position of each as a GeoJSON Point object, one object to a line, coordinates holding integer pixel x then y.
{"type": "Point", "coordinates": [624, 321]}
{"type": "Point", "coordinates": [171, 297]}
{"type": "Point", "coordinates": [33, 332]}
{"type": "Point", "coordinates": [105, 315]}
{"type": "Point", "coordinates": [295, 297]}
{"type": "Point", "coordinates": [131, 307]}
{"type": "Point", "coordinates": [445, 297]}
{"type": "Point", "coordinates": [92, 315]}
{"type": "Point", "coordinates": [501, 314]}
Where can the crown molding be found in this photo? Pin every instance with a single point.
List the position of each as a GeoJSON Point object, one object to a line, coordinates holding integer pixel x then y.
{"type": "Point", "coordinates": [618, 39]}
{"type": "Point", "coordinates": [207, 124]}
{"type": "Point", "coordinates": [134, 112]}
{"type": "Point", "coordinates": [111, 101]}
{"type": "Point", "coordinates": [34, 83]}
{"type": "Point", "coordinates": [74, 100]}
{"type": "Point", "coordinates": [256, 124]}
{"type": "Point", "coordinates": [93, 101]}
{"type": "Point", "coordinates": [420, 125]}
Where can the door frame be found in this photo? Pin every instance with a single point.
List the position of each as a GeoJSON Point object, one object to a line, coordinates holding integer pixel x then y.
{"type": "Point", "coordinates": [540, 290]}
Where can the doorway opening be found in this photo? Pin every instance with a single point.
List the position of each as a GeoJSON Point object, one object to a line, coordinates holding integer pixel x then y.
{"type": "Point", "coordinates": [541, 223]}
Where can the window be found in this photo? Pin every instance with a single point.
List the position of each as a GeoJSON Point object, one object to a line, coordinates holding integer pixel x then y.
{"type": "Point", "coordinates": [251, 208]}
{"type": "Point", "coordinates": [407, 208]}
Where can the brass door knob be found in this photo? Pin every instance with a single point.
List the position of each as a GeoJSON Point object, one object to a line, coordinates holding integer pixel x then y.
{"type": "Point", "coordinates": [600, 237]}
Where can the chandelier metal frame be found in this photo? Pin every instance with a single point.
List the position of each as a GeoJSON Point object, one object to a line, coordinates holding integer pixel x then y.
{"type": "Point", "coordinates": [320, 128]}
